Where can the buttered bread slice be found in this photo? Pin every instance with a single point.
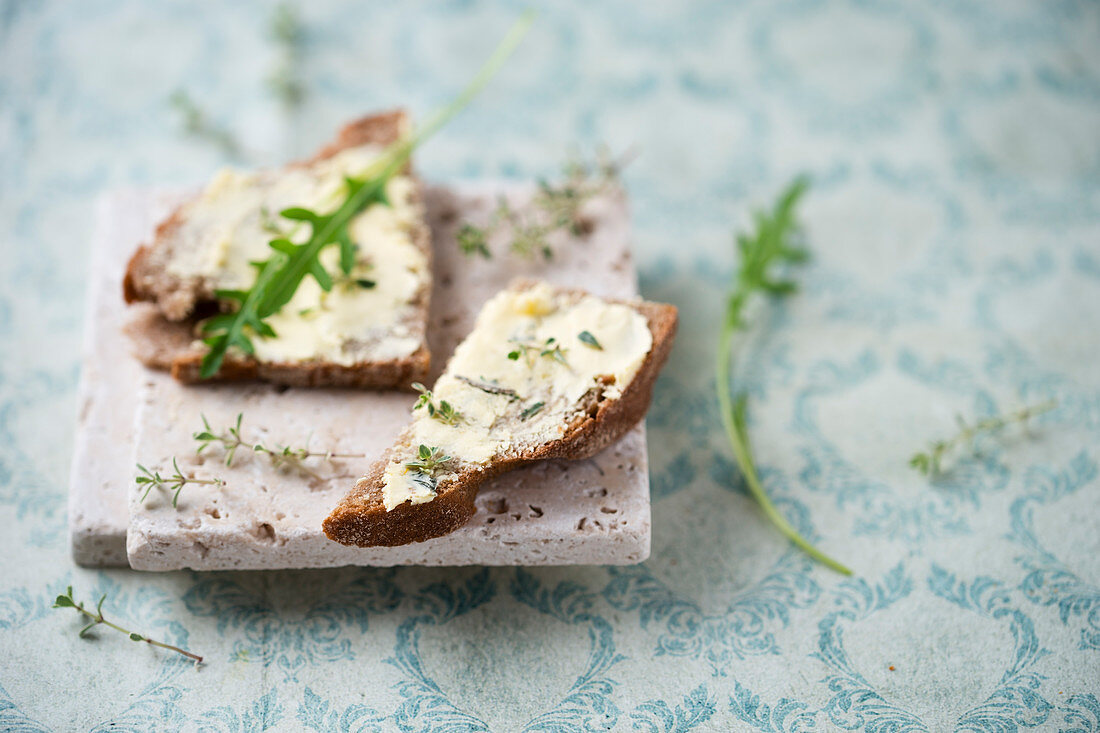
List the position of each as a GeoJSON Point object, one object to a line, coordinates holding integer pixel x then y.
{"type": "Point", "coordinates": [368, 330]}
{"type": "Point", "coordinates": [545, 373]}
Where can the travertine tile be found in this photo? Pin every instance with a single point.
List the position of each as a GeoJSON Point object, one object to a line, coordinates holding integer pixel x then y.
{"type": "Point", "coordinates": [594, 511]}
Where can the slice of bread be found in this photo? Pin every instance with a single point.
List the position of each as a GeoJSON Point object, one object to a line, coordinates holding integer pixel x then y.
{"type": "Point", "coordinates": [560, 374]}
{"type": "Point", "coordinates": [369, 331]}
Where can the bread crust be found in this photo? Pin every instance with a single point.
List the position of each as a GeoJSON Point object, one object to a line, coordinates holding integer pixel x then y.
{"type": "Point", "coordinates": [147, 280]}
{"type": "Point", "coordinates": [361, 519]}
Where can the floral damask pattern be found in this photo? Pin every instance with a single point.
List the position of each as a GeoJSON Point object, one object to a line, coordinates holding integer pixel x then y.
{"type": "Point", "coordinates": [955, 226]}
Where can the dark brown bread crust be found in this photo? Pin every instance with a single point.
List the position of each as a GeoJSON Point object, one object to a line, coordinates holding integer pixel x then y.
{"type": "Point", "coordinates": [361, 519]}
{"type": "Point", "coordinates": [171, 333]}
{"type": "Point", "coordinates": [394, 374]}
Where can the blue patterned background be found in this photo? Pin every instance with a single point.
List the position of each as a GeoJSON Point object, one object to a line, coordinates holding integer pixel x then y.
{"type": "Point", "coordinates": [955, 225]}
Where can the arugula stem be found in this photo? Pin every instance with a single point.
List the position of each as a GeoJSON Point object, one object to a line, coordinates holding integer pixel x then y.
{"type": "Point", "coordinates": [739, 442]}
{"type": "Point", "coordinates": [757, 253]}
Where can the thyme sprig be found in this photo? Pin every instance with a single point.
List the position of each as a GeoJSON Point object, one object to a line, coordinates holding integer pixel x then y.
{"type": "Point", "coordinates": [530, 350]}
{"type": "Point", "coordinates": [288, 32]}
{"type": "Point", "coordinates": [556, 207]}
{"type": "Point", "coordinates": [428, 460]}
{"type": "Point", "coordinates": [281, 457]}
{"type": "Point", "coordinates": [773, 242]}
{"type": "Point", "coordinates": [278, 277]}
{"type": "Point", "coordinates": [930, 462]}
{"type": "Point", "coordinates": [197, 123]}
{"type": "Point", "coordinates": [66, 600]}
{"type": "Point", "coordinates": [444, 412]}
{"type": "Point", "coordinates": [174, 483]}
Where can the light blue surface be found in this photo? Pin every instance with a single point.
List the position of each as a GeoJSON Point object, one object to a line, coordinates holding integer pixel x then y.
{"type": "Point", "coordinates": [955, 223]}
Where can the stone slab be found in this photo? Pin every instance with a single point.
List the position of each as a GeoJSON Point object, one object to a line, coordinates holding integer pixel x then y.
{"type": "Point", "coordinates": [558, 512]}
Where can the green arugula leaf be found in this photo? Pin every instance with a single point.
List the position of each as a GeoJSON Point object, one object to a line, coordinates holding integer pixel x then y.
{"type": "Point", "coordinates": [770, 245]}
{"type": "Point", "coordinates": [279, 276]}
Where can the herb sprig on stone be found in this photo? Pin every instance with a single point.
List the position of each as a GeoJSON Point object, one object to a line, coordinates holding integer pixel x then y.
{"type": "Point", "coordinates": [556, 207]}
{"type": "Point", "coordinates": [772, 243]}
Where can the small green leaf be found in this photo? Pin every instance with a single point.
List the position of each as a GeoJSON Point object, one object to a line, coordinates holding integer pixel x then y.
{"type": "Point", "coordinates": [532, 410]}
{"type": "Point", "coordinates": [134, 636]}
{"type": "Point", "coordinates": [588, 339]}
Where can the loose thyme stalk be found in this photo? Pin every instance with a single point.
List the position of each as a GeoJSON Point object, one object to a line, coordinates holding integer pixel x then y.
{"type": "Point", "coordinates": [197, 123]}
{"type": "Point", "coordinates": [231, 440]}
{"type": "Point", "coordinates": [444, 412]}
{"type": "Point", "coordinates": [770, 244]}
{"type": "Point", "coordinates": [930, 463]}
{"type": "Point", "coordinates": [66, 600]}
{"type": "Point", "coordinates": [555, 207]}
{"type": "Point", "coordinates": [174, 483]}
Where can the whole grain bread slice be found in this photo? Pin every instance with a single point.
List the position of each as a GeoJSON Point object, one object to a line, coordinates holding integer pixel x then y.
{"type": "Point", "coordinates": [165, 333]}
{"type": "Point", "coordinates": [361, 518]}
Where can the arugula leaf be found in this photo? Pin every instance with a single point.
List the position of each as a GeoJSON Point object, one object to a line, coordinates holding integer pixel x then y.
{"type": "Point", "coordinates": [280, 275]}
{"type": "Point", "coordinates": [769, 245]}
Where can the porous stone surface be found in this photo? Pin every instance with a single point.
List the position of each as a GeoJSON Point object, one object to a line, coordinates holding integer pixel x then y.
{"type": "Point", "coordinates": [104, 446]}
{"type": "Point", "coordinates": [556, 512]}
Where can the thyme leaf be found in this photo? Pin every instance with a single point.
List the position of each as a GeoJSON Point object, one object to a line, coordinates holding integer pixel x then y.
{"type": "Point", "coordinates": [771, 244]}
{"type": "Point", "coordinates": [588, 339]}
{"type": "Point", "coordinates": [530, 350]}
{"type": "Point", "coordinates": [555, 207]}
{"type": "Point", "coordinates": [532, 411]}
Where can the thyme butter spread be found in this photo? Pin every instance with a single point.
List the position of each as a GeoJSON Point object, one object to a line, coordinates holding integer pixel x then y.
{"type": "Point", "coordinates": [517, 381]}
